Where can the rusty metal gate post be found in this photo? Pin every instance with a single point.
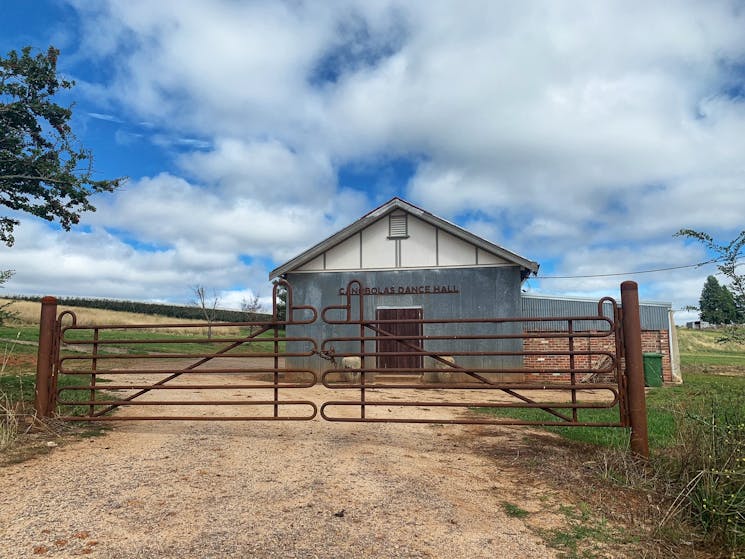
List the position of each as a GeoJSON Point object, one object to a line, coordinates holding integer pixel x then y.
{"type": "Point", "coordinates": [45, 358]}
{"type": "Point", "coordinates": [632, 341]}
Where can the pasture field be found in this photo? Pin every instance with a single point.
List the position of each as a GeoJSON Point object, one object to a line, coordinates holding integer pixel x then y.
{"type": "Point", "coordinates": [700, 351]}
{"type": "Point", "coordinates": [27, 314]}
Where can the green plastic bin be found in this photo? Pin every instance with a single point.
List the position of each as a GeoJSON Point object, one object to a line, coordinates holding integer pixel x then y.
{"type": "Point", "coordinates": [652, 369]}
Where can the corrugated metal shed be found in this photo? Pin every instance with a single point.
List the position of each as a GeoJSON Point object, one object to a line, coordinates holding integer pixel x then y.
{"type": "Point", "coordinates": [653, 315]}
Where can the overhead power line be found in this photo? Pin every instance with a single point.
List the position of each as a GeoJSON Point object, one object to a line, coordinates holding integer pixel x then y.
{"type": "Point", "coordinates": [631, 273]}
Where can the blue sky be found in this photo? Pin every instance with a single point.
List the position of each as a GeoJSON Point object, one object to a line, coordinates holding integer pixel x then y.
{"type": "Point", "coordinates": [579, 135]}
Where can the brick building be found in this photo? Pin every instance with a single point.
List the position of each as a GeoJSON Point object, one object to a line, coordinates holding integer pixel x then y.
{"type": "Point", "coordinates": [658, 333]}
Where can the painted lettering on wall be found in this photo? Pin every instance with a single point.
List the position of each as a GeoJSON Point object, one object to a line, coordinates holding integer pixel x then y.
{"type": "Point", "coordinates": [405, 290]}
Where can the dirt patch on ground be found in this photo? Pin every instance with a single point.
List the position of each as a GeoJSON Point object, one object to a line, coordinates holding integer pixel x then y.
{"type": "Point", "coordinates": [723, 370]}
{"type": "Point", "coordinates": [285, 489]}
{"type": "Point", "coordinates": [19, 359]}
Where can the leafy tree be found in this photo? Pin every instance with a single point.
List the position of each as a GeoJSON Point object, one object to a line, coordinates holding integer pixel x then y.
{"type": "Point", "coordinates": [728, 258]}
{"type": "Point", "coordinates": [44, 171]}
{"type": "Point", "coordinates": [717, 304]}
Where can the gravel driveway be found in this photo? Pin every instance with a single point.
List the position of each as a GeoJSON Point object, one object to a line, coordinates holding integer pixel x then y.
{"type": "Point", "coordinates": [272, 489]}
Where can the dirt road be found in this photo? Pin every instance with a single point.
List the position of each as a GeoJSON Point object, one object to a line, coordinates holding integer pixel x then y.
{"type": "Point", "coordinates": [295, 489]}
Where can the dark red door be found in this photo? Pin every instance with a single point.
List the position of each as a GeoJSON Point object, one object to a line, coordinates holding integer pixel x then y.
{"type": "Point", "coordinates": [400, 329]}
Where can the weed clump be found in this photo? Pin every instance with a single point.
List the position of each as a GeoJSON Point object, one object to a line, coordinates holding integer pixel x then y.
{"type": "Point", "coordinates": [709, 465]}
{"type": "Point", "coordinates": [9, 421]}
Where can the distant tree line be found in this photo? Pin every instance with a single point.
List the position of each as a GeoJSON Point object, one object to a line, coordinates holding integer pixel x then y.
{"type": "Point", "coordinates": [160, 309]}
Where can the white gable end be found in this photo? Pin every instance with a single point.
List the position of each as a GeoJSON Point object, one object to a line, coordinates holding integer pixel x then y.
{"type": "Point", "coordinates": [399, 235]}
{"type": "Point", "coordinates": [417, 244]}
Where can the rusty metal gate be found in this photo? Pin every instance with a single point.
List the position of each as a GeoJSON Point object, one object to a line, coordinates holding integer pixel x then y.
{"type": "Point", "coordinates": [126, 370]}
{"type": "Point", "coordinates": [384, 367]}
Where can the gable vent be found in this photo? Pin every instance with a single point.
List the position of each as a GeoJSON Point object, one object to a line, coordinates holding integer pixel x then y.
{"type": "Point", "coordinates": [397, 226]}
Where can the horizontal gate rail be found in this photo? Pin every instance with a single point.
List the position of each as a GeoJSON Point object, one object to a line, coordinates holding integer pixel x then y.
{"type": "Point", "coordinates": [459, 421]}
{"type": "Point", "coordinates": [481, 353]}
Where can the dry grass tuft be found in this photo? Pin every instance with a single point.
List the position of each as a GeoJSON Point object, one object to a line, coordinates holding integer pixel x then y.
{"type": "Point", "coordinates": [9, 422]}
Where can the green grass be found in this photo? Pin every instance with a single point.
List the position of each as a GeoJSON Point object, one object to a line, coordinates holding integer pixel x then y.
{"type": "Point", "coordinates": [20, 387]}
{"type": "Point", "coordinates": [661, 424]}
{"type": "Point", "coordinates": [23, 333]}
{"type": "Point", "coordinates": [719, 359]}
{"type": "Point", "coordinates": [700, 351]}
{"type": "Point", "coordinates": [662, 405]}
{"type": "Point", "coordinates": [513, 511]}
{"type": "Point", "coordinates": [709, 463]}
{"type": "Point", "coordinates": [581, 536]}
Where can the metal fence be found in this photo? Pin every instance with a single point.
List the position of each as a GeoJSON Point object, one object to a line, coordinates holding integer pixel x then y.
{"type": "Point", "coordinates": [402, 368]}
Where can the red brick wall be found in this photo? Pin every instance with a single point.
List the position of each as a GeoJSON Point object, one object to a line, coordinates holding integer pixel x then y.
{"type": "Point", "coordinates": [652, 341]}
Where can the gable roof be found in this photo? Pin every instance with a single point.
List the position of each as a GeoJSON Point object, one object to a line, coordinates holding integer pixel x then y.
{"type": "Point", "coordinates": [393, 204]}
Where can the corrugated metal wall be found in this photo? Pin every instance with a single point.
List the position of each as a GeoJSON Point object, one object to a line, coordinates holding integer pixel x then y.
{"type": "Point", "coordinates": [654, 316]}
{"type": "Point", "coordinates": [476, 293]}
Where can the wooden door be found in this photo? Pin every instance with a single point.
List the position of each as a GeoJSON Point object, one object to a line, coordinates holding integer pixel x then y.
{"type": "Point", "coordinates": [400, 329]}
